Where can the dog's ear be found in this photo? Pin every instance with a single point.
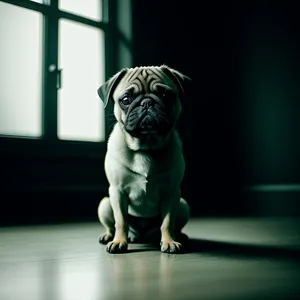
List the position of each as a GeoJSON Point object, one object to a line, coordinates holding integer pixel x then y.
{"type": "Point", "coordinates": [177, 77]}
{"type": "Point", "coordinates": [106, 90]}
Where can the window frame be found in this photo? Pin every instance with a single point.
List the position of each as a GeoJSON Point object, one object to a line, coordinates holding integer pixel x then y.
{"type": "Point", "coordinates": [49, 144]}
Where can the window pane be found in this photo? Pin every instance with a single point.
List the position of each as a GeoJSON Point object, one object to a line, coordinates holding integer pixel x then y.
{"type": "Point", "coordinates": [91, 9]}
{"type": "Point", "coordinates": [20, 72]}
{"type": "Point", "coordinates": [80, 111]}
{"type": "Point", "coordinates": [46, 2]}
{"type": "Point", "coordinates": [38, 1]}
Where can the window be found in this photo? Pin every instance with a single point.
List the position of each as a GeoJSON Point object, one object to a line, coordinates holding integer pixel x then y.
{"type": "Point", "coordinates": [80, 112]}
{"type": "Point", "coordinates": [54, 55]}
{"type": "Point", "coordinates": [21, 71]}
{"type": "Point", "coordinates": [88, 8]}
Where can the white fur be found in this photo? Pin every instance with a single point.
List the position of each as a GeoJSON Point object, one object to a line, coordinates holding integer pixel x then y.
{"type": "Point", "coordinates": [143, 177]}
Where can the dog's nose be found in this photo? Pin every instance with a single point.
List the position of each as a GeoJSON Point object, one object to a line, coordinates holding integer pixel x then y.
{"type": "Point", "coordinates": [147, 102]}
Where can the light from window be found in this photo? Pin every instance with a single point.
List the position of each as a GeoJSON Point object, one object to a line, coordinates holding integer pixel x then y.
{"type": "Point", "coordinates": [20, 72]}
{"type": "Point", "coordinates": [25, 274]}
{"type": "Point", "coordinates": [81, 58]}
{"type": "Point", "coordinates": [84, 275]}
{"type": "Point", "coordinates": [91, 9]}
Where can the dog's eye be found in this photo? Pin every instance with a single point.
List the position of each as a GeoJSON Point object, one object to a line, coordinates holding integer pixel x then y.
{"type": "Point", "coordinates": [125, 100]}
{"type": "Point", "coordinates": [164, 93]}
{"type": "Point", "coordinates": [167, 95]}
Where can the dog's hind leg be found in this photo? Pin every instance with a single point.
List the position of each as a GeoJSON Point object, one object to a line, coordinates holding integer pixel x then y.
{"type": "Point", "coordinates": [182, 217]}
{"type": "Point", "coordinates": [106, 218]}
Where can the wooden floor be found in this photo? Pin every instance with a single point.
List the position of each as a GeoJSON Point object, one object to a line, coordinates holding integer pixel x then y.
{"type": "Point", "coordinates": [226, 259]}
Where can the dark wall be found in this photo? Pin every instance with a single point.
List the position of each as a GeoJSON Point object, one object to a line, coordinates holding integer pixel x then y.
{"type": "Point", "coordinates": [241, 121]}
{"type": "Point", "coordinates": [41, 185]}
{"type": "Point", "coordinates": [200, 42]}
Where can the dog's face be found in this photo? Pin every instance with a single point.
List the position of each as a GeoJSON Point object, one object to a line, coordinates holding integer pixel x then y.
{"type": "Point", "coordinates": [147, 104]}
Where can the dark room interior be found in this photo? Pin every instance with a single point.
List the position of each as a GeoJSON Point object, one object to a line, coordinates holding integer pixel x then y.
{"type": "Point", "coordinates": [239, 127]}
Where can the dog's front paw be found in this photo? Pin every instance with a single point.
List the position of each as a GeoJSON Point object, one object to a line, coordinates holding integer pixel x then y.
{"type": "Point", "coordinates": [105, 238]}
{"type": "Point", "coordinates": [117, 246]}
{"type": "Point", "coordinates": [170, 246]}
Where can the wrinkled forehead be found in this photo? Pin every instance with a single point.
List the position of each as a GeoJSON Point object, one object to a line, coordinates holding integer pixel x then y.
{"type": "Point", "coordinates": [145, 80]}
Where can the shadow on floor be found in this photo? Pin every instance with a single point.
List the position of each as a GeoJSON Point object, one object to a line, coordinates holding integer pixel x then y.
{"type": "Point", "coordinates": [245, 251]}
{"type": "Point", "coordinates": [224, 249]}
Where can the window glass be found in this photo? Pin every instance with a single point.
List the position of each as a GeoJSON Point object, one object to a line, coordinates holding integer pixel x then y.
{"type": "Point", "coordinates": [81, 58]}
{"type": "Point", "coordinates": [21, 71]}
{"type": "Point", "coordinates": [91, 9]}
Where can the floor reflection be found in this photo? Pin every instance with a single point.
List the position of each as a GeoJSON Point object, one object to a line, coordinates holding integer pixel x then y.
{"type": "Point", "coordinates": [66, 263]}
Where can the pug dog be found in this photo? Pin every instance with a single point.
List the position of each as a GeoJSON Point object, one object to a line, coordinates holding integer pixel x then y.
{"type": "Point", "coordinates": [144, 162]}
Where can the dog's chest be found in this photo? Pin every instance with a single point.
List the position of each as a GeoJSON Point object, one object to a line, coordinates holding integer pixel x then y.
{"type": "Point", "coordinates": [144, 187]}
{"type": "Point", "coordinates": [141, 164]}
{"type": "Point", "coordinates": [144, 196]}
{"type": "Point", "coordinates": [138, 190]}
{"type": "Point", "coordinates": [140, 186]}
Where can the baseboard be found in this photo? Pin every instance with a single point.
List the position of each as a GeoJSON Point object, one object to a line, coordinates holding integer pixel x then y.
{"type": "Point", "coordinates": [278, 200]}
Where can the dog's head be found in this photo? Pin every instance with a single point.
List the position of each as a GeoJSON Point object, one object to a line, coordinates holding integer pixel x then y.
{"type": "Point", "coordinates": [147, 104]}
